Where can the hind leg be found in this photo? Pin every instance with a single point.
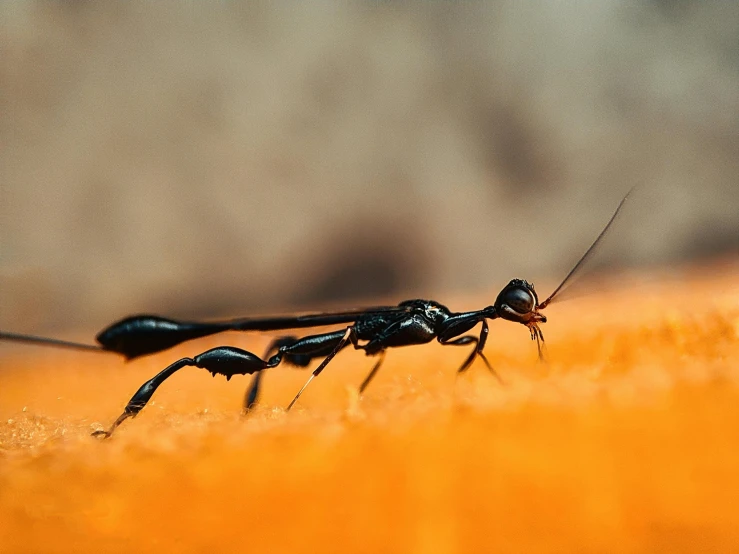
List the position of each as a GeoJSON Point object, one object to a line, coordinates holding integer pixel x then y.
{"type": "Point", "coordinates": [224, 360]}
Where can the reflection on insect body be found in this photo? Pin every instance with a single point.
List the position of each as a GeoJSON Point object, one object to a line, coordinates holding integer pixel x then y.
{"type": "Point", "coordinates": [372, 330]}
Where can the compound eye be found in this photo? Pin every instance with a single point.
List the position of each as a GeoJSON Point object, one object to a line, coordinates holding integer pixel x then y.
{"type": "Point", "coordinates": [520, 300]}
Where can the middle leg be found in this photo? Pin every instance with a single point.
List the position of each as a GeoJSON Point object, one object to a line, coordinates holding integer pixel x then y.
{"type": "Point", "coordinates": [347, 336]}
{"type": "Point", "coordinates": [299, 360]}
{"type": "Point", "coordinates": [297, 352]}
{"type": "Point", "coordinates": [372, 373]}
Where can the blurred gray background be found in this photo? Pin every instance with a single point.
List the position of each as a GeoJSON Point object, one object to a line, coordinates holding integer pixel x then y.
{"type": "Point", "coordinates": [205, 159]}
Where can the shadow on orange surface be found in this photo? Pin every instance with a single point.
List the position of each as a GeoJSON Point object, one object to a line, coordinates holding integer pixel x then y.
{"type": "Point", "coordinates": [624, 442]}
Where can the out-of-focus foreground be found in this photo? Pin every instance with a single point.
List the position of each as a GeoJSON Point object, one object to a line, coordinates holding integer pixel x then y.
{"type": "Point", "coordinates": [624, 442]}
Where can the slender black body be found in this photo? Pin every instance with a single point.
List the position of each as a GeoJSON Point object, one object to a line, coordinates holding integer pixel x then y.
{"type": "Point", "coordinates": [372, 330]}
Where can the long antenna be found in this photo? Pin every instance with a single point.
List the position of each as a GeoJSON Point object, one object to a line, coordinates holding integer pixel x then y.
{"type": "Point", "coordinates": [587, 254]}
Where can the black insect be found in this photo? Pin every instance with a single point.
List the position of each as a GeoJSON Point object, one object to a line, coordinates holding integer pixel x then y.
{"type": "Point", "coordinates": [373, 330]}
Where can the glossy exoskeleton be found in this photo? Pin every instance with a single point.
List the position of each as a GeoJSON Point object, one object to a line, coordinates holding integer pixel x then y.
{"type": "Point", "coordinates": [372, 330]}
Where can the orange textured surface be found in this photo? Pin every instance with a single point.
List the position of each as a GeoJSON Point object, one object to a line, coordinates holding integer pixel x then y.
{"type": "Point", "coordinates": [626, 441]}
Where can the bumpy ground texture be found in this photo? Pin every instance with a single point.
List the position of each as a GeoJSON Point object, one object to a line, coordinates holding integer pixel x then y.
{"type": "Point", "coordinates": [625, 441]}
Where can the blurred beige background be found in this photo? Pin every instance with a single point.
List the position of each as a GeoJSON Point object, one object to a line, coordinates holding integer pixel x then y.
{"type": "Point", "coordinates": [205, 159]}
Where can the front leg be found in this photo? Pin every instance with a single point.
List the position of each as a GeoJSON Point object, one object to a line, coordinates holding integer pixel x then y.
{"type": "Point", "coordinates": [479, 343]}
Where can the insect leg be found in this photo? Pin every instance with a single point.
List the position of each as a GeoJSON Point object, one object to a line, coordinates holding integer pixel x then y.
{"type": "Point", "coordinates": [348, 335]}
{"type": "Point", "coordinates": [252, 392]}
{"type": "Point", "coordinates": [372, 373]}
{"type": "Point", "coordinates": [224, 360]}
{"type": "Point", "coordinates": [479, 343]}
